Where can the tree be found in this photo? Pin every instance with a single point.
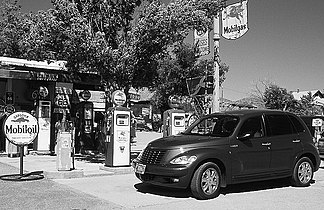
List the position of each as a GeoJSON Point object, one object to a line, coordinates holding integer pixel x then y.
{"type": "Point", "coordinates": [160, 27]}
{"type": "Point", "coordinates": [174, 70]}
{"type": "Point", "coordinates": [101, 35]}
{"type": "Point", "coordinates": [13, 26]}
{"type": "Point", "coordinates": [276, 97]}
{"type": "Point", "coordinates": [305, 106]}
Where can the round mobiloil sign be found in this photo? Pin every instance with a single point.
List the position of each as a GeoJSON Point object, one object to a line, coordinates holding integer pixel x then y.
{"type": "Point", "coordinates": [21, 128]}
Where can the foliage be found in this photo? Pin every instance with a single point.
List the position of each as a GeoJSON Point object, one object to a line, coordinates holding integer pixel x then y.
{"type": "Point", "coordinates": [276, 97]}
{"type": "Point", "coordinates": [129, 43]}
{"type": "Point", "coordinates": [174, 70]}
{"type": "Point", "coordinates": [13, 26]}
{"type": "Point", "coordinates": [305, 106]}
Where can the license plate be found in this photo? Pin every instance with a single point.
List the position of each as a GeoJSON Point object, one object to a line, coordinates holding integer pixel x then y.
{"type": "Point", "coordinates": [140, 168]}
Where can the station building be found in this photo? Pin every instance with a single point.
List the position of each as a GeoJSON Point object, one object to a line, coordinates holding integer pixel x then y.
{"type": "Point", "coordinates": [50, 92]}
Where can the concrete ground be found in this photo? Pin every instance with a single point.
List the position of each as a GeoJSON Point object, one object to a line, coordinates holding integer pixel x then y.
{"type": "Point", "coordinates": [84, 165]}
{"type": "Point", "coordinates": [125, 191]}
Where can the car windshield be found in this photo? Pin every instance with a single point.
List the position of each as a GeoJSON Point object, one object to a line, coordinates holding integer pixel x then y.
{"type": "Point", "coordinates": [219, 125]}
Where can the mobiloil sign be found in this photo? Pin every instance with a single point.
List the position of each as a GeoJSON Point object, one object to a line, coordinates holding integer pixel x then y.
{"type": "Point", "coordinates": [21, 128]}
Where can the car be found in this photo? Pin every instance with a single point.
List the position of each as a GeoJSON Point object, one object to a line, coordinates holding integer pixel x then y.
{"type": "Point", "coordinates": [142, 125]}
{"type": "Point", "coordinates": [232, 147]}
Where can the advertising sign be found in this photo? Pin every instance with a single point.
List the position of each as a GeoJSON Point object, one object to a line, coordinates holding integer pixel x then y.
{"type": "Point", "coordinates": [10, 98]}
{"type": "Point", "coordinates": [235, 20]}
{"type": "Point", "coordinates": [198, 86]}
{"type": "Point", "coordinates": [85, 95]}
{"type": "Point", "coordinates": [201, 40]}
{"type": "Point", "coordinates": [119, 98]}
{"type": "Point", "coordinates": [21, 128]}
{"type": "Point", "coordinates": [317, 122]}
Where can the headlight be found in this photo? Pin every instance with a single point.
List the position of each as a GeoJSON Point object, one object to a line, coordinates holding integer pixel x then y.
{"type": "Point", "coordinates": [184, 160]}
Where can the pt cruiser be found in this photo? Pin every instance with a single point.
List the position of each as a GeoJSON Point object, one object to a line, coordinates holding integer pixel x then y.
{"type": "Point", "coordinates": [228, 148]}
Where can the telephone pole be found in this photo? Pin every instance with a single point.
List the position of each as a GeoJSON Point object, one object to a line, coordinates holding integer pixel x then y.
{"type": "Point", "coordinates": [215, 106]}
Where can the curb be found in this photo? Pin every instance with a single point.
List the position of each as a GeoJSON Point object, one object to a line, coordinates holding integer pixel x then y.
{"type": "Point", "coordinates": [77, 173]}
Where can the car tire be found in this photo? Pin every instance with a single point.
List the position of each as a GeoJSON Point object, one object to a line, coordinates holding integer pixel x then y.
{"type": "Point", "coordinates": [205, 183]}
{"type": "Point", "coordinates": [303, 172]}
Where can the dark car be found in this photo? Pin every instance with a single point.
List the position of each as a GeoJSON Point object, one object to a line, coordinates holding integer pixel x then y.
{"type": "Point", "coordinates": [228, 148]}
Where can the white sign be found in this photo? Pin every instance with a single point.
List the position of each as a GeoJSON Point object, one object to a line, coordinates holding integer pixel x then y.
{"type": "Point", "coordinates": [317, 122]}
{"type": "Point", "coordinates": [235, 20]}
{"type": "Point", "coordinates": [21, 128]}
{"type": "Point", "coordinates": [119, 98]}
{"type": "Point", "coordinates": [202, 41]}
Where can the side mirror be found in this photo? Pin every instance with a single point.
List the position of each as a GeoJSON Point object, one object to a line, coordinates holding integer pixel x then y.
{"type": "Point", "coordinates": [244, 137]}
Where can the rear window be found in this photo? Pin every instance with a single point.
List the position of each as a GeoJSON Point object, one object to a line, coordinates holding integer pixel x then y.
{"type": "Point", "coordinates": [298, 126]}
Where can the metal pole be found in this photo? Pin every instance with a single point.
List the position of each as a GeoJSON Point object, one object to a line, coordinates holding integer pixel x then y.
{"type": "Point", "coordinates": [21, 147]}
{"type": "Point", "coordinates": [215, 107]}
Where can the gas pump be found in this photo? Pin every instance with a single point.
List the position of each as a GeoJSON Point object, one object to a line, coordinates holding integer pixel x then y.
{"type": "Point", "coordinates": [173, 122]}
{"type": "Point", "coordinates": [84, 140]}
{"type": "Point", "coordinates": [118, 137]}
{"type": "Point", "coordinates": [317, 123]}
{"type": "Point", "coordinates": [43, 114]}
{"type": "Point", "coordinates": [118, 132]}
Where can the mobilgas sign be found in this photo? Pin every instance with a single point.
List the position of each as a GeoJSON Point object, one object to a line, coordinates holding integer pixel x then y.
{"type": "Point", "coordinates": [235, 20]}
{"type": "Point", "coordinates": [21, 128]}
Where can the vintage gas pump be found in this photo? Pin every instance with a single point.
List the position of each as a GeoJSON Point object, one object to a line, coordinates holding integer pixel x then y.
{"type": "Point", "coordinates": [43, 114]}
{"type": "Point", "coordinates": [173, 122]}
{"type": "Point", "coordinates": [118, 132]}
{"type": "Point", "coordinates": [85, 126]}
{"type": "Point", "coordinates": [317, 123]}
{"type": "Point", "coordinates": [174, 118]}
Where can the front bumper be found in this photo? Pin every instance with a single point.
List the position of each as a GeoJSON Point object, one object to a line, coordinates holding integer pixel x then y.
{"type": "Point", "coordinates": [176, 176]}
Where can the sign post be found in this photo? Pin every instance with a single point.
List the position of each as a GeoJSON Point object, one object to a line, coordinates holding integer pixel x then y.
{"type": "Point", "coordinates": [20, 128]}
{"type": "Point", "coordinates": [234, 26]}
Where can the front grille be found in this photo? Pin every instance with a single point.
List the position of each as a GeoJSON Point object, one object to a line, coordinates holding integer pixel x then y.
{"type": "Point", "coordinates": [150, 156]}
{"type": "Point", "coordinates": [146, 177]}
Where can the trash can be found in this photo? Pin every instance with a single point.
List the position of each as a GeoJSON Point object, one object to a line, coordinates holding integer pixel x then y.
{"type": "Point", "coordinates": [63, 153]}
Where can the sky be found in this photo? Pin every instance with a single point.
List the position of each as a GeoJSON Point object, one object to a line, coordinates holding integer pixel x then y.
{"type": "Point", "coordinates": [284, 45]}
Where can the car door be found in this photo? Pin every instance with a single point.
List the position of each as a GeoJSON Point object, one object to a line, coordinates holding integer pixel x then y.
{"type": "Point", "coordinates": [250, 151]}
{"type": "Point", "coordinates": [285, 142]}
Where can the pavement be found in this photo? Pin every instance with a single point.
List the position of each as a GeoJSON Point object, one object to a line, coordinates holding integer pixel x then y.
{"type": "Point", "coordinates": [89, 165]}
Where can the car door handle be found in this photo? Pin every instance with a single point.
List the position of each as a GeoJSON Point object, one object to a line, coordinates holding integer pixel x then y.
{"type": "Point", "coordinates": [234, 145]}
{"type": "Point", "coordinates": [266, 144]}
{"type": "Point", "coordinates": [296, 141]}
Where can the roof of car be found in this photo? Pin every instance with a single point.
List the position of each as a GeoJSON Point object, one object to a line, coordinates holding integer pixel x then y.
{"type": "Point", "coordinates": [249, 111]}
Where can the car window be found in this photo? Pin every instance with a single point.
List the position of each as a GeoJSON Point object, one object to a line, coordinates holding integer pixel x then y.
{"type": "Point", "coordinates": [221, 126]}
{"type": "Point", "coordinates": [279, 125]}
{"type": "Point", "coordinates": [253, 127]}
{"type": "Point", "coordinates": [297, 125]}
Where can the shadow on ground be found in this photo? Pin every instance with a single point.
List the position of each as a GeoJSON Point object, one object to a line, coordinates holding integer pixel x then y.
{"type": "Point", "coordinates": [98, 157]}
{"type": "Point", "coordinates": [231, 189]}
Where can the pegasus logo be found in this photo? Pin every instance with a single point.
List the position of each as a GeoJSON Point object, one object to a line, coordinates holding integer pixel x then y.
{"type": "Point", "coordinates": [235, 11]}
{"type": "Point", "coordinates": [20, 120]}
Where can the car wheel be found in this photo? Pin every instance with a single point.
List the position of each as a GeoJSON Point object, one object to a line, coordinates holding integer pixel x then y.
{"type": "Point", "coordinates": [303, 172]}
{"type": "Point", "coordinates": [205, 183]}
